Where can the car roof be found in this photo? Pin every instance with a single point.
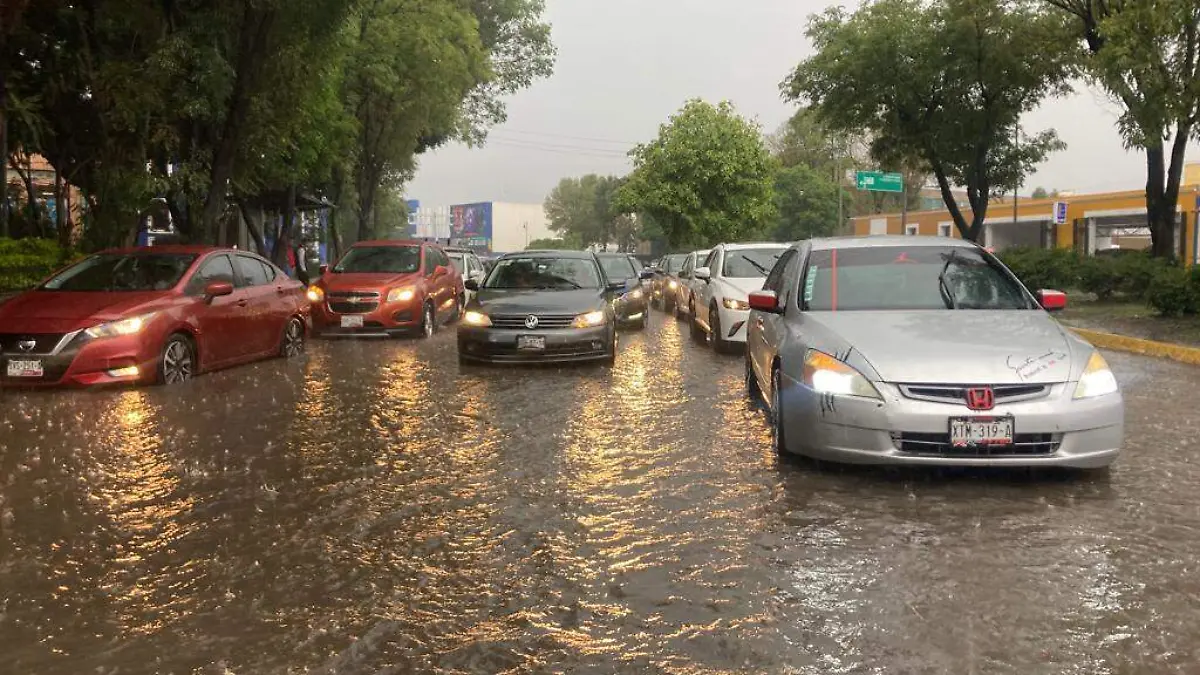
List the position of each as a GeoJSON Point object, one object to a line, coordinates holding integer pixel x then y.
{"type": "Point", "coordinates": [877, 240]}
{"type": "Point", "coordinates": [614, 255]}
{"type": "Point", "coordinates": [550, 253]}
{"type": "Point", "coordinates": [176, 249]}
{"type": "Point", "coordinates": [755, 244]}
{"type": "Point", "coordinates": [392, 242]}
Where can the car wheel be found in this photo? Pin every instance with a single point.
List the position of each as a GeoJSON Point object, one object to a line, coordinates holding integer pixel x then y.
{"type": "Point", "coordinates": [461, 309]}
{"type": "Point", "coordinates": [778, 443]}
{"type": "Point", "coordinates": [178, 361]}
{"type": "Point", "coordinates": [293, 339]}
{"type": "Point", "coordinates": [698, 333]}
{"type": "Point", "coordinates": [753, 391]}
{"type": "Point", "coordinates": [667, 305]}
{"type": "Point", "coordinates": [719, 343]}
{"type": "Point", "coordinates": [428, 321]}
{"type": "Point", "coordinates": [645, 319]}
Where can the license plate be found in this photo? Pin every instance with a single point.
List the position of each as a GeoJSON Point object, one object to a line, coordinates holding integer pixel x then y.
{"type": "Point", "coordinates": [25, 369]}
{"type": "Point", "coordinates": [531, 342]}
{"type": "Point", "coordinates": [967, 432]}
{"type": "Point", "coordinates": [352, 322]}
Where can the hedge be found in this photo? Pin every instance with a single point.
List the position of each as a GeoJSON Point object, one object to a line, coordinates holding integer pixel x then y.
{"type": "Point", "coordinates": [26, 262]}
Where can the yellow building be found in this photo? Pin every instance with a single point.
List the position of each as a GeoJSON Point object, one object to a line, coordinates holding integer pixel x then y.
{"type": "Point", "coordinates": [1093, 221]}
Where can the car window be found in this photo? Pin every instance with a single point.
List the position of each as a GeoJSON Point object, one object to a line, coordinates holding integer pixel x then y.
{"type": "Point", "coordinates": [909, 278]}
{"type": "Point", "coordinates": [252, 271]}
{"type": "Point", "coordinates": [710, 260]}
{"type": "Point", "coordinates": [270, 270]}
{"type": "Point", "coordinates": [460, 263]}
{"type": "Point", "coordinates": [674, 262]}
{"type": "Point", "coordinates": [617, 268]}
{"type": "Point", "coordinates": [380, 260]}
{"type": "Point", "coordinates": [122, 272]}
{"type": "Point", "coordinates": [750, 263]}
{"type": "Point", "coordinates": [216, 268]}
{"type": "Point", "coordinates": [544, 273]}
{"type": "Point", "coordinates": [774, 280]}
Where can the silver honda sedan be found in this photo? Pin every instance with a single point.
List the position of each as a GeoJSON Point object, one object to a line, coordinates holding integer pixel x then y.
{"type": "Point", "coordinates": [924, 350]}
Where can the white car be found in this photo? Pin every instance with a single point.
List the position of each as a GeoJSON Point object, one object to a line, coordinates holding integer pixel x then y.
{"type": "Point", "coordinates": [469, 266]}
{"type": "Point", "coordinates": [687, 283]}
{"type": "Point", "coordinates": [723, 287]}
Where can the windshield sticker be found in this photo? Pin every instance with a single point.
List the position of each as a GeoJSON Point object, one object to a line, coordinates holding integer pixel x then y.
{"type": "Point", "coordinates": [1030, 366]}
{"type": "Point", "coordinates": [808, 283]}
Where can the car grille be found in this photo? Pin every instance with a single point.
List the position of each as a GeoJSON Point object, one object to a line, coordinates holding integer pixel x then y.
{"type": "Point", "coordinates": [957, 393]}
{"type": "Point", "coordinates": [545, 321]}
{"type": "Point", "coordinates": [45, 342]}
{"type": "Point", "coordinates": [352, 307]}
{"type": "Point", "coordinates": [938, 445]}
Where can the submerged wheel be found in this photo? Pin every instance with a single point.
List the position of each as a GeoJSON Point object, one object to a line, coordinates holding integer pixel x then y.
{"type": "Point", "coordinates": [293, 339]}
{"type": "Point", "coordinates": [428, 321]}
{"type": "Point", "coordinates": [178, 361]}
{"type": "Point", "coordinates": [698, 333]}
{"type": "Point", "coordinates": [778, 442]}
{"type": "Point", "coordinates": [753, 391]}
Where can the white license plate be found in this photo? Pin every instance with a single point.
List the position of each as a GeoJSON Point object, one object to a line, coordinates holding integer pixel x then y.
{"type": "Point", "coordinates": [966, 432]}
{"type": "Point", "coordinates": [352, 322]}
{"type": "Point", "coordinates": [25, 368]}
{"type": "Point", "coordinates": [531, 342]}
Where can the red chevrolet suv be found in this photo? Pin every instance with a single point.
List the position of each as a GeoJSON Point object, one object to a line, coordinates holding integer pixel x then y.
{"type": "Point", "coordinates": [162, 313]}
{"type": "Point", "coordinates": [387, 288]}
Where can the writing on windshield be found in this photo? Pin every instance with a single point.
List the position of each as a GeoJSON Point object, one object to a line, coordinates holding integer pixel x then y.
{"type": "Point", "coordinates": [544, 274]}
{"type": "Point", "coordinates": [380, 260]}
{"type": "Point", "coordinates": [908, 278]}
{"type": "Point", "coordinates": [750, 263]}
{"type": "Point", "coordinates": [123, 272]}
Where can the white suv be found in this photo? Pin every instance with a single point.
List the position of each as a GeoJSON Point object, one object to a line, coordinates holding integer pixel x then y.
{"type": "Point", "coordinates": [723, 286]}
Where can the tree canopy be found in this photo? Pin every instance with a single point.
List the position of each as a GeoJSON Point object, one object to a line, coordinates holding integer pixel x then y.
{"type": "Point", "coordinates": [583, 211]}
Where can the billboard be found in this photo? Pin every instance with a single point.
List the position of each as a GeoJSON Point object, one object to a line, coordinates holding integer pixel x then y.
{"type": "Point", "coordinates": [413, 206]}
{"type": "Point", "coordinates": [471, 226]}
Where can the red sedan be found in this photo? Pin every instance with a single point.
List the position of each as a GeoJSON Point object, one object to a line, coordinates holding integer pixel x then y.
{"type": "Point", "coordinates": [387, 288]}
{"type": "Point", "coordinates": [160, 314]}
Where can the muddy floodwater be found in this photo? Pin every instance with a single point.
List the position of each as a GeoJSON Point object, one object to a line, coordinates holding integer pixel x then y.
{"type": "Point", "coordinates": [375, 508]}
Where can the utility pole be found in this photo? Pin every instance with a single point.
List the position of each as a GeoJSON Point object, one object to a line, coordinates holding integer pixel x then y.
{"type": "Point", "coordinates": [1016, 180]}
{"type": "Point", "coordinates": [840, 178]}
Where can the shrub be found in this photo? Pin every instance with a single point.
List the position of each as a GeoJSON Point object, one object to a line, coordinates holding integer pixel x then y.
{"type": "Point", "coordinates": [25, 262]}
{"type": "Point", "coordinates": [1101, 276]}
{"type": "Point", "coordinates": [1137, 270]}
{"type": "Point", "coordinates": [1039, 268]}
{"type": "Point", "coordinates": [1174, 291]}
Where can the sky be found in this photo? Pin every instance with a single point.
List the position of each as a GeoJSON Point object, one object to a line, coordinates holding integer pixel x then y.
{"type": "Point", "coordinates": [624, 66]}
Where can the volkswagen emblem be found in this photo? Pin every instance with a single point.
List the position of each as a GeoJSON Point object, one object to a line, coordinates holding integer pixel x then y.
{"type": "Point", "coordinates": [531, 322]}
{"type": "Point", "coordinates": [26, 345]}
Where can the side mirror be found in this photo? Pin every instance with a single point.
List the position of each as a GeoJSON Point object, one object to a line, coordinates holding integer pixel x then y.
{"type": "Point", "coordinates": [323, 268]}
{"type": "Point", "coordinates": [702, 273]}
{"type": "Point", "coordinates": [217, 289]}
{"type": "Point", "coordinates": [1051, 301]}
{"type": "Point", "coordinates": [765, 301]}
{"type": "Point", "coordinates": [647, 273]}
{"type": "Point", "coordinates": [471, 284]}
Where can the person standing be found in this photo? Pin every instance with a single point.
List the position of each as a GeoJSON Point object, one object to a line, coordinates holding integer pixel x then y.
{"type": "Point", "coordinates": [302, 263]}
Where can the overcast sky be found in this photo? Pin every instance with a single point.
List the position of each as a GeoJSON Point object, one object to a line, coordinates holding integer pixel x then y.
{"type": "Point", "coordinates": [625, 65]}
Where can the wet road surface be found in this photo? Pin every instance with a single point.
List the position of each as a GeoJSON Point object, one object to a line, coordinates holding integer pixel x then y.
{"type": "Point", "coordinates": [375, 509]}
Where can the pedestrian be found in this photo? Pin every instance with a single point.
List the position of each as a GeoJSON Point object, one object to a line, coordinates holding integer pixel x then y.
{"type": "Point", "coordinates": [302, 264]}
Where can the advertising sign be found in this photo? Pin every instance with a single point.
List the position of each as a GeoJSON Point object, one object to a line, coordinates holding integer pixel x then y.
{"type": "Point", "coordinates": [413, 207]}
{"type": "Point", "coordinates": [1060, 213]}
{"type": "Point", "coordinates": [471, 226]}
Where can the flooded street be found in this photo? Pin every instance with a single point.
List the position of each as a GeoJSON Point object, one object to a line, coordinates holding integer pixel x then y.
{"type": "Point", "coordinates": [376, 508]}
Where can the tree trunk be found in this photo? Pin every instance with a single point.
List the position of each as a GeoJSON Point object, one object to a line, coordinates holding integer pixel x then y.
{"type": "Point", "coordinates": [960, 222]}
{"type": "Point", "coordinates": [253, 228]}
{"type": "Point", "coordinates": [286, 230]}
{"type": "Point", "coordinates": [4, 230]}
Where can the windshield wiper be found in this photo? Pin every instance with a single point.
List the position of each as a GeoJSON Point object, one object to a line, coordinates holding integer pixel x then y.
{"type": "Point", "coordinates": [944, 287]}
{"type": "Point", "coordinates": [758, 267]}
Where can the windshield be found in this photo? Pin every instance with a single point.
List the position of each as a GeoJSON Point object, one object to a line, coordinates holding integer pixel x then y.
{"type": "Point", "coordinates": [123, 272]}
{"type": "Point", "coordinates": [381, 260]}
{"type": "Point", "coordinates": [903, 277]}
{"type": "Point", "coordinates": [618, 268]}
{"type": "Point", "coordinates": [753, 263]}
{"type": "Point", "coordinates": [459, 261]}
{"type": "Point", "coordinates": [544, 273]}
{"type": "Point", "coordinates": [674, 262]}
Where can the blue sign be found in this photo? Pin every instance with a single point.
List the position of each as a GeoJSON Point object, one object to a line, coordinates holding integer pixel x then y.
{"type": "Point", "coordinates": [413, 206]}
{"type": "Point", "coordinates": [1060, 213]}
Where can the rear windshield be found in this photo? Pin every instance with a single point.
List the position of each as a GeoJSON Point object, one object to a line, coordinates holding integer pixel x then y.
{"type": "Point", "coordinates": [557, 274]}
{"type": "Point", "coordinates": [618, 268]}
{"type": "Point", "coordinates": [674, 262]}
{"type": "Point", "coordinates": [903, 277]}
{"type": "Point", "coordinates": [381, 260]}
{"type": "Point", "coordinates": [123, 272]}
{"type": "Point", "coordinates": [751, 263]}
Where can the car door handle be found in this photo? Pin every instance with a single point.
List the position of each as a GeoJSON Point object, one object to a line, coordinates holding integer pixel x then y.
{"type": "Point", "coordinates": [241, 303]}
{"type": "Point", "coordinates": [280, 290]}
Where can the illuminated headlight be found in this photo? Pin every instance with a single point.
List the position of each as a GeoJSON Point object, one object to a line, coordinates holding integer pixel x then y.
{"type": "Point", "coordinates": [672, 284]}
{"type": "Point", "coordinates": [476, 319]}
{"type": "Point", "coordinates": [734, 303]}
{"type": "Point", "coordinates": [315, 294]}
{"type": "Point", "coordinates": [130, 326]}
{"type": "Point", "coordinates": [1097, 379]}
{"type": "Point", "coordinates": [401, 295]}
{"type": "Point", "coordinates": [634, 294]}
{"type": "Point", "coordinates": [827, 375]}
{"type": "Point", "coordinates": [589, 320]}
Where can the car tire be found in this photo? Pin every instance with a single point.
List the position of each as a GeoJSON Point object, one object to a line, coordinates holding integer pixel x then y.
{"type": "Point", "coordinates": [462, 307]}
{"type": "Point", "coordinates": [778, 442]}
{"type": "Point", "coordinates": [753, 391]}
{"type": "Point", "coordinates": [293, 342]}
{"type": "Point", "coordinates": [698, 333]}
{"type": "Point", "coordinates": [668, 307]}
{"type": "Point", "coordinates": [428, 321]}
{"type": "Point", "coordinates": [720, 344]}
{"type": "Point", "coordinates": [177, 363]}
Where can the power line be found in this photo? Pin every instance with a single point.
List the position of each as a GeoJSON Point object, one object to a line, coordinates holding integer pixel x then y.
{"type": "Point", "coordinates": [574, 138]}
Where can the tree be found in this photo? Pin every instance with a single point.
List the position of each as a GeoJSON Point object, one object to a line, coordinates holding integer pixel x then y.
{"type": "Point", "coordinates": [585, 210]}
{"type": "Point", "coordinates": [560, 244]}
{"type": "Point", "coordinates": [1147, 56]}
{"type": "Point", "coordinates": [807, 204]}
{"type": "Point", "coordinates": [707, 178]}
{"type": "Point", "coordinates": [1040, 193]}
{"type": "Point", "coordinates": [943, 84]}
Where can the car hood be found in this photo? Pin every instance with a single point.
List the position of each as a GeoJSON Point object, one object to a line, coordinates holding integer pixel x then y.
{"type": "Point", "coordinates": [743, 286]}
{"type": "Point", "coordinates": [952, 346]}
{"type": "Point", "coordinates": [497, 301]}
{"type": "Point", "coordinates": [362, 281]}
{"type": "Point", "coordinates": [65, 311]}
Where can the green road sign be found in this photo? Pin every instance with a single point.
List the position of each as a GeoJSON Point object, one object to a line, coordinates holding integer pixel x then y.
{"type": "Point", "coordinates": [878, 181]}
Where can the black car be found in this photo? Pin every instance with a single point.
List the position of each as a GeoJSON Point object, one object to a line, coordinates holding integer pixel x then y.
{"type": "Point", "coordinates": [542, 306]}
{"type": "Point", "coordinates": [631, 306]}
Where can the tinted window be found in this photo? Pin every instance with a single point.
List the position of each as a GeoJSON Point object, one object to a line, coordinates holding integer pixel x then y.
{"type": "Point", "coordinates": [268, 269]}
{"type": "Point", "coordinates": [750, 263]}
{"type": "Point", "coordinates": [216, 268]}
{"type": "Point", "coordinates": [774, 280]}
{"type": "Point", "coordinates": [618, 268]}
{"type": "Point", "coordinates": [674, 262]}
{"type": "Point", "coordinates": [904, 277]}
{"type": "Point", "coordinates": [710, 260]}
{"type": "Point", "coordinates": [380, 260]}
{"type": "Point", "coordinates": [253, 273]}
{"type": "Point", "coordinates": [123, 272]}
{"type": "Point", "coordinates": [544, 273]}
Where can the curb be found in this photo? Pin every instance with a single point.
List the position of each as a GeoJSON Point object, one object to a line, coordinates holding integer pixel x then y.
{"type": "Point", "coordinates": [1124, 343]}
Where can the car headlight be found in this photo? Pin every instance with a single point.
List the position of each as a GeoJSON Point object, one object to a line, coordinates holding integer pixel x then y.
{"type": "Point", "coordinates": [472, 318]}
{"type": "Point", "coordinates": [634, 294]}
{"type": "Point", "coordinates": [130, 326]}
{"type": "Point", "coordinates": [1097, 379]}
{"type": "Point", "coordinates": [589, 320]}
{"type": "Point", "coordinates": [315, 294]}
{"type": "Point", "coordinates": [734, 303]}
{"type": "Point", "coordinates": [827, 375]}
{"type": "Point", "coordinates": [672, 284]}
{"type": "Point", "coordinates": [401, 295]}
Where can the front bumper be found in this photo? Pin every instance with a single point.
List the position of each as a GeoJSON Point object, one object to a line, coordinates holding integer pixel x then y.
{"type": "Point", "coordinates": [632, 310]}
{"type": "Point", "coordinates": [1051, 431]}
{"type": "Point", "coordinates": [381, 320]}
{"type": "Point", "coordinates": [733, 324]}
{"type": "Point", "coordinates": [81, 361]}
{"type": "Point", "coordinates": [495, 345]}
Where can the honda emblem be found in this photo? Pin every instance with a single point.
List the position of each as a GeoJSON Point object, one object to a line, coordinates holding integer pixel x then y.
{"type": "Point", "coordinates": [981, 398]}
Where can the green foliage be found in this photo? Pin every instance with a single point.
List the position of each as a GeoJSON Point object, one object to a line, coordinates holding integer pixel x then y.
{"type": "Point", "coordinates": [584, 211]}
{"type": "Point", "coordinates": [943, 83]}
{"type": "Point", "coordinates": [560, 244]}
{"type": "Point", "coordinates": [1175, 291]}
{"type": "Point", "coordinates": [26, 262]}
{"type": "Point", "coordinates": [1098, 276]}
{"type": "Point", "coordinates": [806, 202]}
{"type": "Point", "coordinates": [707, 178]}
{"type": "Point", "coordinates": [1040, 268]}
